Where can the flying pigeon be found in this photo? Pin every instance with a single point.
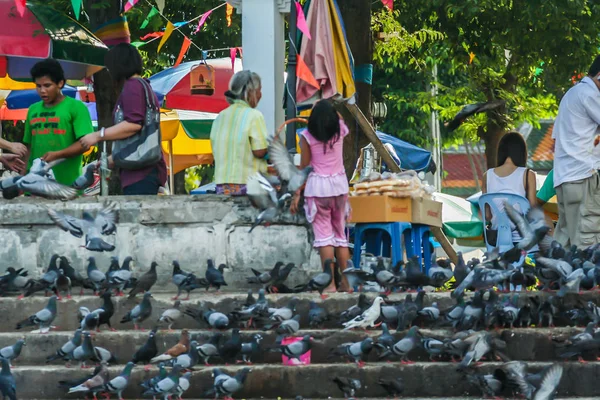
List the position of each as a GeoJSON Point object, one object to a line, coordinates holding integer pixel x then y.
{"type": "Point", "coordinates": [284, 164]}
{"type": "Point", "coordinates": [86, 179]}
{"type": "Point", "coordinates": [263, 196]}
{"type": "Point", "coordinates": [470, 110]}
{"type": "Point", "coordinates": [92, 227]}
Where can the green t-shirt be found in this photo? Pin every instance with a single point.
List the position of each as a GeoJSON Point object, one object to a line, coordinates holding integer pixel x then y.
{"type": "Point", "coordinates": [547, 190]}
{"type": "Point", "coordinates": [56, 128]}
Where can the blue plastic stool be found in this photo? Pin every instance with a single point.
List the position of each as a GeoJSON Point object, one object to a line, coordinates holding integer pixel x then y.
{"type": "Point", "coordinates": [421, 235]}
{"type": "Point", "coordinates": [382, 245]}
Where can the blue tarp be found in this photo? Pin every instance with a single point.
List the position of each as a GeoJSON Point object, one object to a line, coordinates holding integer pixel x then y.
{"type": "Point", "coordinates": [411, 156]}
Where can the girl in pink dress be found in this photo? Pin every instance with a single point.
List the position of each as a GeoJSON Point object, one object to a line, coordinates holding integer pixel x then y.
{"type": "Point", "coordinates": [326, 192]}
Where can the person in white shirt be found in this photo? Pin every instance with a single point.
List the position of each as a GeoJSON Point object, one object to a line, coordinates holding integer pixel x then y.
{"type": "Point", "coordinates": [576, 165]}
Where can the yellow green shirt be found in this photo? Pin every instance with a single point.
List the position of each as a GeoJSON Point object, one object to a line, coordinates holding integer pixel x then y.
{"type": "Point", "coordinates": [235, 133]}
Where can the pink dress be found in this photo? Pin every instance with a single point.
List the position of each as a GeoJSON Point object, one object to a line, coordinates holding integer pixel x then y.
{"type": "Point", "coordinates": [326, 191]}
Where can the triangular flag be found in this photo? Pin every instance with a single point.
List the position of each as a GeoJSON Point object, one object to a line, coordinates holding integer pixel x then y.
{"type": "Point", "coordinates": [129, 4]}
{"type": "Point", "coordinates": [301, 21]}
{"type": "Point", "coordinates": [389, 4]}
{"type": "Point", "coordinates": [161, 5]}
{"type": "Point", "coordinates": [239, 49]}
{"type": "Point", "coordinates": [180, 24]}
{"type": "Point", "coordinates": [202, 21]}
{"type": "Point", "coordinates": [152, 35]}
{"type": "Point", "coordinates": [232, 54]}
{"type": "Point", "coordinates": [153, 12]}
{"type": "Point", "coordinates": [168, 31]}
{"type": "Point", "coordinates": [228, 14]}
{"type": "Point", "coordinates": [138, 44]}
{"type": "Point", "coordinates": [20, 4]}
{"type": "Point", "coordinates": [303, 72]}
{"type": "Point", "coordinates": [184, 48]}
{"type": "Point", "coordinates": [76, 4]}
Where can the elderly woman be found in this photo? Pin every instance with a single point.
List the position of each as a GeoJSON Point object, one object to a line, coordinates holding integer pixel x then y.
{"type": "Point", "coordinates": [239, 136]}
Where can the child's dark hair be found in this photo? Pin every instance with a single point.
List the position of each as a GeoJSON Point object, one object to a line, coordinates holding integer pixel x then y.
{"type": "Point", "coordinates": [512, 145]}
{"type": "Point", "coordinates": [324, 124]}
{"type": "Point", "coordinates": [50, 68]}
{"type": "Point", "coordinates": [123, 61]}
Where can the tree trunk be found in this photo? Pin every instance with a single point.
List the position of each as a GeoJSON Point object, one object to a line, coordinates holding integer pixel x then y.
{"type": "Point", "coordinates": [491, 139]}
{"type": "Point", "coordinates": [104, 88]}
{"type": "Point", "coordinates": [357, 19]}
{"type": "Point", "coordinates": [179, 183]}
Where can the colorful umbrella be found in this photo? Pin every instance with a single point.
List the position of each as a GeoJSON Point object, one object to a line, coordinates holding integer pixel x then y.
{"type": "Point", "coordinates": [327, 55]}
{"type": "Point", "coordinates": [6, 83]}
{"type": "Point", "coordinates": [43, 32]}
{"type": "Point", "coordinates": [16, 99]}
{"type": "Point", "coordinates": [460, 218]}
{"type": "Point", "coordinates": [195, 85]}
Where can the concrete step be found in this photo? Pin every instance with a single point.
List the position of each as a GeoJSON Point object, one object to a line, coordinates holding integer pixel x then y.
{"type": "Point", "coordinates": [526, 344]}
{"type": "Point", "coordinates": [13, 310]}
{"type": "Point", "coordinates": [313, 381]}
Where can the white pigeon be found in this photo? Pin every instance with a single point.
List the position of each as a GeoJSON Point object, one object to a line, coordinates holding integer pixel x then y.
{"type": "Point", "coordinates": [367, 318]}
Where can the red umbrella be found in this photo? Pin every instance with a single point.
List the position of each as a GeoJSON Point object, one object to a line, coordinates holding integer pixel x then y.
{"type": "Point", "coordinates": [43, 32]}
{"type": "Point", "coordinates": [195, 86]}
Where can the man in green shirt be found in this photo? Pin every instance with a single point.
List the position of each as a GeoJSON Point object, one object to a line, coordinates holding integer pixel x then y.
{"type": "Point", "coordinates": [547, 190]}
{"type": "Point", "coordinates": [55, 124]}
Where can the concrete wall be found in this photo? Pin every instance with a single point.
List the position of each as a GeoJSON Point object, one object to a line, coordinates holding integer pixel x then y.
{"type": "Point", "coordinates": [189, 229]}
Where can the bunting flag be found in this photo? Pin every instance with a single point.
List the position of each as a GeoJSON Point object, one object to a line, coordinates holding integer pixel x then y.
{"type": "Point", "coordinates": [303, 72]}
{"type": "Point", "coordinates": [301, 21]}
{"type": "Point", "coordinates": [232, 54]}
{"type": "Point", "coordinates": [76, 4]}
{"type": "Point", "coordinates": [228, 14]}
{"type": "Point", "coordinates": [20, 4]}
{"type": "Point", "coordinates": [168, 31]}
{"type": "Point", "coordinates": [138, 44]}
{"type": "Point", "coordinates": [153, 12]}
{"type": "Point", "coordinates": [184, 48]}
{"type": "Point", "coordinates": [152, 35]}
{"type": "Point", "coordinates": [202, 21]}
{"type": "Point", "coordinates": [471, 57]}
{"type": "Point", "coordinates": [161, 5]}
{"type": "Point", "coordinates": [389, 4]}
{"type": "Point", "coordinates": [129, 4]}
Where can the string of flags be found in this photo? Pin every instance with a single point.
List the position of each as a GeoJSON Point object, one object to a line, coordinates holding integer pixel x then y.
{"type": "Point", "coordinates": [389, 4]}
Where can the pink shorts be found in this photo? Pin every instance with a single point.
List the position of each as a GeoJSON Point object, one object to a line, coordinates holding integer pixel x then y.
{"type": "Point", "coordinates": [328, 218]}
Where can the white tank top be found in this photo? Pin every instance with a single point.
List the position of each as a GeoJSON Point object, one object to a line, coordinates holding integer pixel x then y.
{"type": "Point", "coordinates": [512, 184]}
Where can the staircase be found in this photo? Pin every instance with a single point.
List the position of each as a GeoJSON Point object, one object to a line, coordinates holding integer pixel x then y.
{"type": "Point", "coordinates": [269, 378]}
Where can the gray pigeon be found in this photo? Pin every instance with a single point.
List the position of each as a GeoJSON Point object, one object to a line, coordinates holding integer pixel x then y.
{"type": "Point", "coordinates": [571, 283]}
{"type": "Point", "coordinates": [356, 276]}
{"type": "Point", "coordinates": [92, 227]}
{"type": "Point", "coordinates": [317, 316]}
{"type": "Point", "coordinates": [165, 386]}
{"type": "Point", "coordinates": [96, 277]}
{"type": "Point", "coordinates": [140, 312]}
{"type": "Point", "coordinates": [225, 385]}
{"type": "Point", "coordinates": [284, 313]}
{"type": "Point", "coordinates": [122, 277]}
{"type": "Point", "coordinates": [251, 349]}
{"type": "Point", "coordinates": [86, 179]}
{"type": "Point", "coordinates": [479, 348]}
{"type": "Point", "coordinates": [171, 315]}
{"type": "Point", "coordinates": [286, 169]}
{"type": "Point", "coordinates": [87, 352]}
{"type": "Point", "coordinates": [532, 228]}
{"type": "Point", "coordinates": [263, 196]}
{"type": "Point", "coordinates": [190, 359]}
{"type": "Point", "coordinates": [42, 318]}
{"type": "Point", "coordinates": [62, 283]}
{"type": "Point", "coordinates": [355, 351]}
{"type": "Point", "coordinates": [209, 349]}
{"type": "Point", "coordinates": [118, 384]}
{"type": "Point", "coordinates": [321, 281]}
{"type": "Point", "coordinates": [296, 349]}
{"type": "Point", "coordinates": [348, 386]}
{"type": "Point", "coordinates": [8, 387]}
{"type": "Point", "coordinates": [403, 347]}
{"type": "Point", "coordinates": [12, 352]}
{"type": "Point", "coordinates": [67, 349]}
{"type": "Point", "coordinates": [215, 319]}
{"type": "Point", "coordinates": [90, 320]}
{"type": "Point", "coordinates": [184, 385]}
{"type": "Point", "coordinates": [481, 278]}
{"type": "Point", "coordinates": [433, 347]}
{"type": "Point", "coordinates": [40, 182]}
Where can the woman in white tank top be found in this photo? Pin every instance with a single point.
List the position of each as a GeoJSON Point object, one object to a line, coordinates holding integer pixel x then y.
{"type": "Point", "coordinates": [511, 176]}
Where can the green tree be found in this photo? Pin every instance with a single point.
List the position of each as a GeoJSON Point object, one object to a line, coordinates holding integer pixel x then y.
{"type": "Point", "coordinates": [521, 51]}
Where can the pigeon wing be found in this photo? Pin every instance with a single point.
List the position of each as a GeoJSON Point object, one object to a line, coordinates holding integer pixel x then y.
{"type": "Point", "coordinates": [107, 219]}
{"type": "Point", "coordinates": [549, 383]}
{"type": "Point", "coordinates": [74, 226]}
{"type": "Point", "coordinates": [278, 153]}
{"type": "Point", "coordinates": [47, 188]}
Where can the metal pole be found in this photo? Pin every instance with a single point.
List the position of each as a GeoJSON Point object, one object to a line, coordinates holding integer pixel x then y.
{"type": "Point", "coordinates": [435, 134]}
{"type": "Point", "coordinates": [171, 175]}
{"type": "Point", "coordinates": [290, 137]}
{"type": "Point", "coordinates": [104, 171]}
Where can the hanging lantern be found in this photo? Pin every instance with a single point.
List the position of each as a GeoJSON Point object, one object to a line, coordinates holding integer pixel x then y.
{"type": "Point", "coordinates": [202, 80]}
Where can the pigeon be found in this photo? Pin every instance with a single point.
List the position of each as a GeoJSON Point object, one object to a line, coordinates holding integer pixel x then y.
{"type": "Point", "coordinates": [481, 278]}
{"type": "Point", "coordinates": [354, 311]}
{"type": "Point", "coordinates": [561, 267]}
{"type": "Point", "coordinates": [12, 352]}
{"type": "Point", "coordinates": [225, 385]}
{"type": "Point", "coordinates": [296, 349]}
{"type": "Point", "coordinates": [171, 315]}
{"type": "Point", "coordinates": [190, 283]}
{"type": "Point", "coordinates": [86, 179]}
{"type": "Point", "coordinates": [549, 383]}
{"type": "Point", "coordinates": [321, 281]}
{"type": "Point", "coordinates": [118, 384]}
{"type": "Point", "coordinates": [76, 278]}
{"type": "Point", "coordinates": [571, 283]}
{"type": "Point", "coordinates": [263, 196]}
{"type": "Point", "coordinates": [264, 277]}
{"type": "Point", "coordinates": [532, 229]}
{"type": "Point", "coordinates": [140, 312]}
{"type": "Point", "coordinates": [356, 276]}
{"type": "Point", "coordinates": [46, 282]}
{"type": "Point", "coordinates": [113, 267]}
{"type": "Point", "coordinates": [214, 319]}
{"type": "Point", "coordinates": [42, 318]}
{"type": "Point", "coordinates": [190, 359]}
{"type": "Point", "coordinates": [96, 276]}
{"type": "Point", "coordinates": [285, 328]}
{"type": "Point", "coordinates": [184, 384]}
{"type": "Point", "coordinates": [92, 227]}
{"type": "Point", "coordinates": [67, 349]}
{"type": "Point", "coordinates": [433, 347]}
{"type": "Point", "coordinates": [394, 386]}
{"type": "Point", "coordinates": [283, 313]}
{"type": "Point", "coordinates": [385, 341]}
{"type": "Point", "coordinates": [147, 352]}
{"type": "Point", "coordinates": [39, 182]}
{"type": "Point", "coordinates": [367, 318]}
{"type": "Point", "coordinates": [214, 276]}
{"type": "Point", "coordinates": [209, 349]}
{"type": "Point", "coordinates": [89, 319]}
{"type": "Point", "coordinates": [431, 313]}
{"type": "Point", "coordinates": [120, 278]}
{"type": "Point", "coordinates": [87, 352]}
{"type": "Point", "coordinates": [286, 169]}
{"type": "Point", "coordinates": [403, 347]}
{"type": "Point", "coordinates": [470, 110]}
{"type": "Point", "coordinates": [180, 348]}
{"type": "Point", "coordinates": [162, 374]}
{"type": "Point", "coordinates": [232, 347]}
{"type": "Point", "coordinates": [281, 277]}
{"type": "Point", "coordinates": [317, 316]}
{"type": "Point", "coordinates": [108, 311]}
{"type": "Point", "coordinates": [145, 282]}
{"type": "Point", "coordinates": [491, 385]}
{"type": "Point", "coordinates": [8, 387]}
{"type": "Point", "coordinates": [347, 386]}
{"type": "Point", "coordinates": [251, 349]}
{"type": "Point", "coordinates": [354, 351]}
{"type": "Point", "coordinates": [98, 379]}
{"type": "Point", "coordinates": [62, 283]}
{"type": "Point", "coordinates": [13, 280]}
{"type": "Point", "coordinates": [440, 273]}
{"type": "Point", "coordinates": [178, 275]}
{"type": "Point", "coordinates": [165, 386]}
{"type": "Point", "coordinates": [479, 348]}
